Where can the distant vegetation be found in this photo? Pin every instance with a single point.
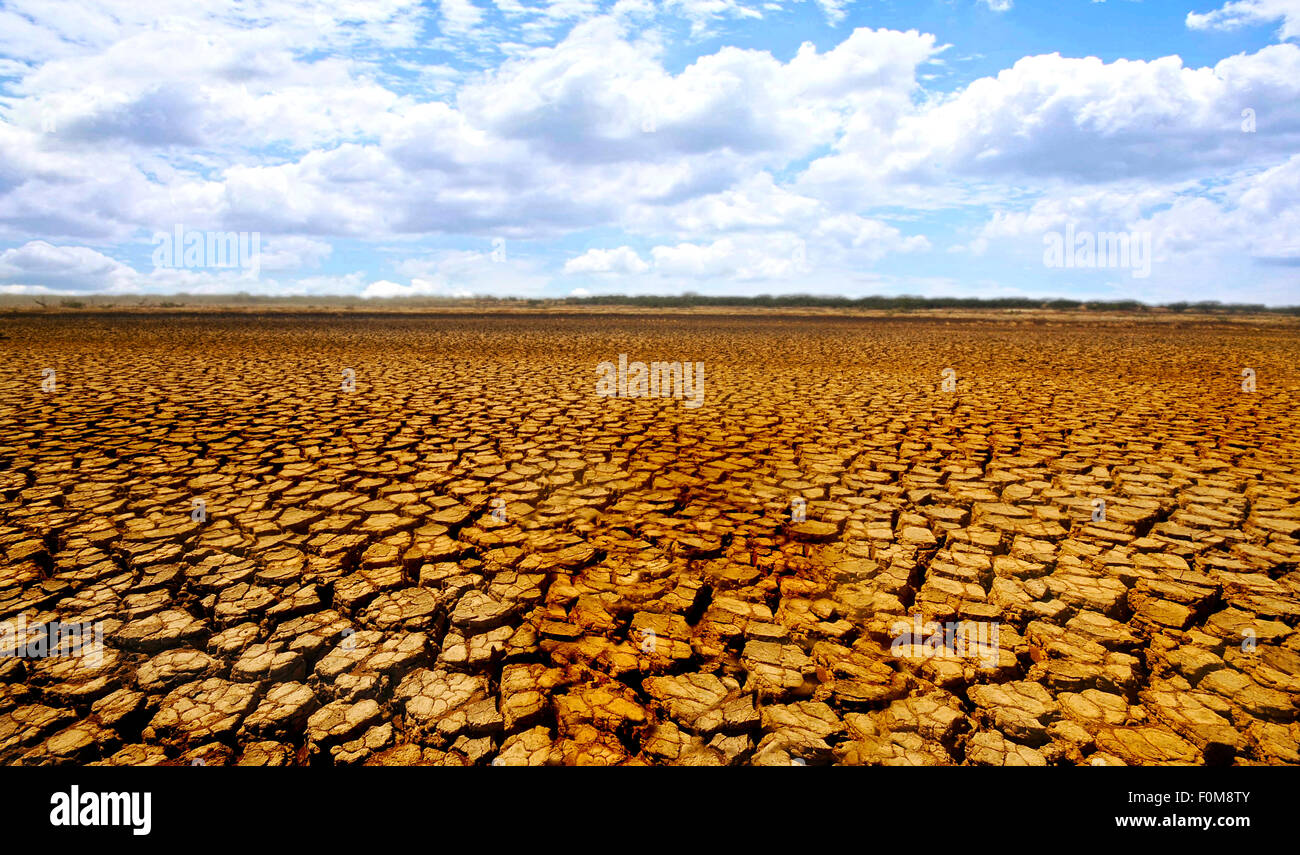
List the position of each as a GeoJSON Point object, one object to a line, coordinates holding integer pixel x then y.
{"type": "Point", "coordinates": [687, 300]}
{"type": "Point", "coordinates": [909, 303]}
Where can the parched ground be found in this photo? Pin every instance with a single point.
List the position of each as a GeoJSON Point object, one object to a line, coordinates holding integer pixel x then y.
{"type": "Point", "coordinates": [473, 559]}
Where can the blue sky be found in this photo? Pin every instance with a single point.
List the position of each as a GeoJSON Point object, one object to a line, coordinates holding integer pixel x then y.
{"type": "Point", "coordinates": [542, 149]}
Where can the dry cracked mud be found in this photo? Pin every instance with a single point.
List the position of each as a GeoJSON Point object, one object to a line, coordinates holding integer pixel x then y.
{"type": "Point", "coordinates": [473, 559]}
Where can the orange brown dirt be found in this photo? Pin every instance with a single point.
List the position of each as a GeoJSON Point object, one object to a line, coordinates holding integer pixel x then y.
{"type": "Point", "coordinates": [472, 558]}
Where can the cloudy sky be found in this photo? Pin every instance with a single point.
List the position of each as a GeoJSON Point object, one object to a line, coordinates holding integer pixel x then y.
{"type": "Point", "coordinates": [539, 149]}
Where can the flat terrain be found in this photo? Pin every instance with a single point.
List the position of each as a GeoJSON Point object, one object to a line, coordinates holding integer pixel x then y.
{"type": "Point", "coordinates": [472, 558]}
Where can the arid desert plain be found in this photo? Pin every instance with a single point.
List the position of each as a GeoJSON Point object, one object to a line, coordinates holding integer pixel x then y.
{"type": "Point", "coordinates": [329, 538]}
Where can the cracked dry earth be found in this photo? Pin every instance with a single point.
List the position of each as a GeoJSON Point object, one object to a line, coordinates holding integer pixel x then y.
{"type": "Point", "coordinates": [350, 597]}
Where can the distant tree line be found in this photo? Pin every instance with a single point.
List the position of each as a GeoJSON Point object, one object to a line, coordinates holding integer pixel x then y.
{"type": "Point", "coordinates": [911, 303]}
{"type": "Point", "coordinates": [905, 303]}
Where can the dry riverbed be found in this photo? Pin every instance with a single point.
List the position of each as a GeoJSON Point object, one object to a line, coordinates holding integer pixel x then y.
{"type": "Point", "coordinates": [400, 539]}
